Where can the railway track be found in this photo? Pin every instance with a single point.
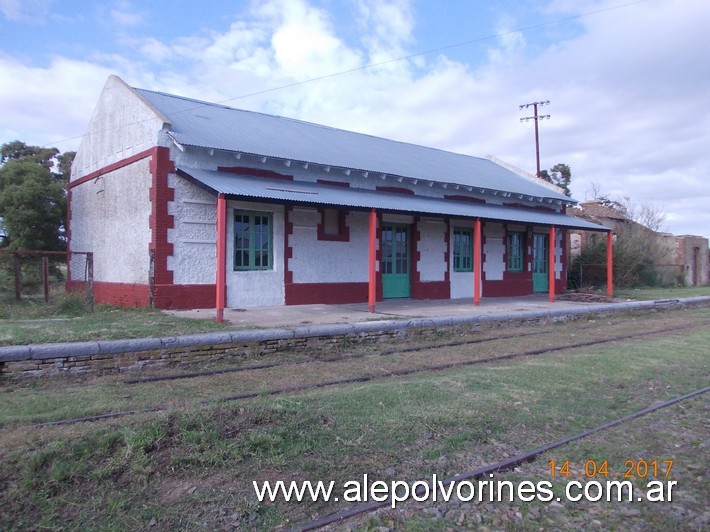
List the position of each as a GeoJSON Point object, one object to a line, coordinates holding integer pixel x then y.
{"type": "Point", "coordinates": [452, 439]}
{"type": "Point", "coordinates": [406, 367]}
{"type": "Point", "coordinates": [503, 465]}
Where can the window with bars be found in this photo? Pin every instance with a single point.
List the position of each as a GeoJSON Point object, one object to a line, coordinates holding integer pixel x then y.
{"type": "Point", "coordinates": [514, 251]}
{"type": "Point", "coordinates": [463, 250]}
{"type": "Point", "coordinates": [253, 245]}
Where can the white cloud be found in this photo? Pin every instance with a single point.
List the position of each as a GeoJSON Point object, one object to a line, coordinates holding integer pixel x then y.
{"type": "Point", "coordinates": [44, 105]}
{"type": "Point", "coordinates": [125, 15]}
{"type": "Point", "coordinates": [31, 11]}
{"type": "Point", "coordinates": [628, 89]}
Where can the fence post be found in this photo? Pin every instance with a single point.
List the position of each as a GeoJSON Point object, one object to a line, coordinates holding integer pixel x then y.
{"type": "Point", "coordinates": [45, 277]}
{"type": "Point", "coordinates": [18, 276]}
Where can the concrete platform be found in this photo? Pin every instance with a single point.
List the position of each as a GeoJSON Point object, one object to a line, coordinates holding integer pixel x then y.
{"type": "Point", "coordinates": [391, 309]}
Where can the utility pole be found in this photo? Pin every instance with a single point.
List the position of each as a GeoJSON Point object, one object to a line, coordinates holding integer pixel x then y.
{"type": "Point", "coordinates": [537, 118]}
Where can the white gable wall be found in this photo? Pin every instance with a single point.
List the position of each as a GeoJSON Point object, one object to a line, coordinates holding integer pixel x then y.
{"type": "Point", "coordinates": [110, 216]}
{"type": "Point", "coordinates": [122, 125]}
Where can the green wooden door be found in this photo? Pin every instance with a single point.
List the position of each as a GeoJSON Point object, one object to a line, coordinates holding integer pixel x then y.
{"type": "Point", "coordinates": [395, 261]}
{"type": "Point", "coordinates": [539, 262]}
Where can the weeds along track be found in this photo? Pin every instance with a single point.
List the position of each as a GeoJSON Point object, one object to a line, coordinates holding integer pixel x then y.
{"type": "Point", "coordinates": [503, 465]}
{"type": "Point", "coordinates": [402, 362]}
{"type": "Point", "coordinates": [382, 353]}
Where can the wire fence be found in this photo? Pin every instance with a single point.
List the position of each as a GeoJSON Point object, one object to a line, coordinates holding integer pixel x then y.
{"type": "Point", "coordinates": [42, 275]}
{"type": "Point", "coordinates": [589, 276]}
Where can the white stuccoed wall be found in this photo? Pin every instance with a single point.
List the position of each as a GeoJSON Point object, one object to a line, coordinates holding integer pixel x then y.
{"type": "Point", "coordinates": [321, 261]}
{"type": "Point", "coordinates": [194, 239]}
{"type": "Point", "coordinates": [194, 236]}
{"type": "Point", "coordinates": [122, 125]}
{"type": "Point", "coordinates": [432, 248]}
{"type": "Point", "coordinates": [494, 248]}
{"type": "Point", "coordinates": [110, 217]}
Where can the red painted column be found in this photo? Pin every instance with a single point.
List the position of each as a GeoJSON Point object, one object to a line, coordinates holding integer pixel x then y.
{"type": "Point", "coordinates": [221, 280]}
{"type": "Point", "coordinates": [372, 274]}
{"type": "Point", "coordinates": [609, 265]}
{"type": "Point", "coordinates": [477, 266]}
{"type": "Point", "coordinates": [551, 264]}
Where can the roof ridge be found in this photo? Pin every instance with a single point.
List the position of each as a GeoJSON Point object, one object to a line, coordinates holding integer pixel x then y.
{"type": "Point", "coordinates": [308, 123]}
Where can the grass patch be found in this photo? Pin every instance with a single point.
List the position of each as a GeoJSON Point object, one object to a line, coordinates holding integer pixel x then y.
{"type": "Point", "coordinates": [662, 293]}
{"type": "Point", "coordinates": [67, 321]}
{"type": "Point", "coordinates": [194, 466]}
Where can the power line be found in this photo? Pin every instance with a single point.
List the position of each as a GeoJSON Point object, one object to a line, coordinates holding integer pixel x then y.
{"type": "Point", "coordinates": [403, 58]}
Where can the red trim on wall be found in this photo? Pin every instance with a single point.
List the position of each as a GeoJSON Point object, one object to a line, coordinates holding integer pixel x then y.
{"type": "Point", "coordinates": [396, 190]}
{"type": "Point", "coordinates": [68, 235]}
{"type": "Point", "coordinates": [483, 250]}
{"type": "Point", "coordinates": [160, 221]}
{"type": "Point", "coordinates": [371, 260]}
{"type": "Point", "coordinates": [516, 283]}
{"type": "Point", "coordinates": [431, 290]}
{"type": "Point", "coordinates": [112, 167]}
{"type": "Point", "coordinates": [138, 295]}
{"type": "Point", "coordinates": [185, 296]}
{"type": "Point", "coordinates": [561, 283]}
{"type": "Point", "coordinates": [447, 253]}
{"type": "Point", "coordinates": [414, 256]}
{"type": "Point", "coordinates": [255, 172]}
{"type": "Point", "coordinates": [326, 293]}
{"type": "Point", "coordinates": [458, 197]}
{"type": "Point", "coordinates": [426, 289]}
{"type": "Point", "coordinates": [288, 250]}
{"type": "Point", "coordinates": [343, 230]}
{"type": "Point", "coordinates": [121, 294]}
{"type": "Point", "coordinates": [477, 260]}
{"type": "Point", "coordinates": [378, 256]}
{"type": "Point", "coordinates": [508, 288]}
{"type": "Point", "coordinates": [333, 183]}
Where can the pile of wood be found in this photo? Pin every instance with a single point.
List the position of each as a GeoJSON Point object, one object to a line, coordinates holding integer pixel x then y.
{"type": "Point", "coordinates": [585, 297]}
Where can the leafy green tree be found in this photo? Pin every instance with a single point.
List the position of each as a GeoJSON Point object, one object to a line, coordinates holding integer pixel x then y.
{"type": "Point", "coordinates": [559, 175]}
{"type": "Point", "coordinates": [33, 196]}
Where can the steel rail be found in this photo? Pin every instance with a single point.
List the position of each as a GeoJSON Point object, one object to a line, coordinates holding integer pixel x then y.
{"type": "Point", "coordinates": [368, 378]}
{"type": "Point", "coordinates": [498, 466]}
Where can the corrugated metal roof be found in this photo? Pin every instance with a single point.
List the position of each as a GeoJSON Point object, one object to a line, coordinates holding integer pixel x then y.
{"type": "Point", "coordinates": [317, 194]}
{"type": "Point", "coordinates": [196, 123]}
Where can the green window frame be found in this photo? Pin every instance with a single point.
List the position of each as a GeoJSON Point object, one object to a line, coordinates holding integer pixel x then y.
{"type": "Point", "coordinates": [514, 251]}
{"type": "Point", "coordinates": [463, 250]}
{"type": "Point", "coordinates": [253, 241]}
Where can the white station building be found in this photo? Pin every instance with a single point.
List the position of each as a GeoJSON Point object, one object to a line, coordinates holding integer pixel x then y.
{"type": "Point", "coordinates": [188, 204]}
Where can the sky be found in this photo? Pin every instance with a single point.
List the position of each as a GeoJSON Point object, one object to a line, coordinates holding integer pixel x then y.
{"type": "Point", "coordinates": [628, 80]}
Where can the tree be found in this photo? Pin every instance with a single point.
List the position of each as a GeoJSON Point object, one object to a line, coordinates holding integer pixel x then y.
{"type": "Point", "coordinates": [559, 175]}
{"type": "Point", "coordinates": [33, 196]}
